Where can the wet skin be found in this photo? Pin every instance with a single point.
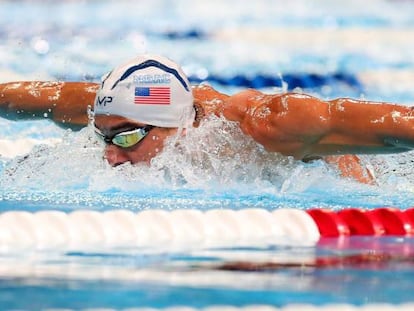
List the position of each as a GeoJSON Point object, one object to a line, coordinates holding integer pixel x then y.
{"type": "Point", "coordinates": [143, 151]}
{"type": "Point", "coordinates": [292, 124]}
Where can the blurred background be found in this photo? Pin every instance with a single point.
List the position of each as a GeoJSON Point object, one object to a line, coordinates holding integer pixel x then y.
{"type": "Point", "coordinates": [351, 48]}
{"type": "Point", "coordinates": [335, 48]}
{"type": "Point", "coordinates": [327, 49]}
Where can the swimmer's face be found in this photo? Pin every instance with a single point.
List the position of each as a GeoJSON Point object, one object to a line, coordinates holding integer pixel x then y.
{"type": "Point", "coordinates": [143, 151]}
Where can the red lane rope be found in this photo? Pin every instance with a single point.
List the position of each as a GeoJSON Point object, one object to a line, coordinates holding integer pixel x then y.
{"type": "Point", "coordinates": [354, 221]}
{"type": "Point", "coordinates": [329, 223]}
{"type": "Point", "coordinates": [360, 222]}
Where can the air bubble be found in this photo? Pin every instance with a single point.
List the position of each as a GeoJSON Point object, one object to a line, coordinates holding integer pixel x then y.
{"type": "Point", "coordinates": [40, 45]}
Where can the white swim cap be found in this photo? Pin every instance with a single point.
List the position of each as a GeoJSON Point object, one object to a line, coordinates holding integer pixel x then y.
{"type": "Point", "coordinates": [149, 89]}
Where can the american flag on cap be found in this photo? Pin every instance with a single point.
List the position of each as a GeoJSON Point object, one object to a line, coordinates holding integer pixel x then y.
{"type": "Point", "coordinates": [155, 95]}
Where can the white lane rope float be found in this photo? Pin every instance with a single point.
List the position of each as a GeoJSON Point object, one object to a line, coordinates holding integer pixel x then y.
{"type": "Point", "coordinates": [192, 228]}
{"type": "Point", "coordinates": [22, 231]}
{"type": "Point", "coordinates": [84, 229]}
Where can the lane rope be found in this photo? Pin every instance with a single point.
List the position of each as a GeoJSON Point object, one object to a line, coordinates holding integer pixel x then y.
{"type": "Point", "coordinates": [80, 229]}
{"type": "Point", "coordinates": [292, 80]}
{"type": "Point", "coordinates": [386, 221]}
{"type": "Point", "coordinates": [292, 307]}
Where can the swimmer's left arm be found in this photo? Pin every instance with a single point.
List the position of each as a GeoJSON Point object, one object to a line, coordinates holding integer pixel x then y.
{"type": "Point", "coordinates": [305, 127]}
{"type": "Point", "coordinates": [288, 123]}
{"type": "Point", "coordinates": [210, 100]}
{"type": "Point", "coordinates": [63, 102]}
{"type": "Point", "coordinates": [359, 126]}
{"type": "Point", "coordinates": [281, 128]}
{"type": "Point", "coordinates": [350, 166]}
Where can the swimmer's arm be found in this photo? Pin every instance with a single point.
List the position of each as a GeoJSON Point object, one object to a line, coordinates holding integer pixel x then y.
{"type": "Point", "coordinates": [305, 127]}
{"type": "Point", "coordinates": [210, 100]}
{"type": "Point", "coordinates": [65, 103]}
{"type": "Point", "coordinates": [350, 166]}
{"type": "Point", "coordinates": [358, 126]}
{"type": "Point", "coordinates": [292, 124]}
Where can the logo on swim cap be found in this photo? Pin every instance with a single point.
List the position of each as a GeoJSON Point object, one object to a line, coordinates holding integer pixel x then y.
{"type": "Point", "coordinates": [156, 95]}
{"type": "Point", "coordinates": [148, 89]}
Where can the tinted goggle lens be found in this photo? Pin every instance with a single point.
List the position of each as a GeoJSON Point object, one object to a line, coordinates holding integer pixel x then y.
{"type": "Point", "coordinates": [125, 139]}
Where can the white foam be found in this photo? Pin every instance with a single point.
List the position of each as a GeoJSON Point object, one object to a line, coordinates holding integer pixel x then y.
{"type": "Point", "coordinates": [10, 148]}
{"type": "Point", "coordinates": [214, 157]}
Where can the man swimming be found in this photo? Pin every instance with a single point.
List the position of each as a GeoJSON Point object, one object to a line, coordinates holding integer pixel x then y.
{"type": "Point", "coordinates": [151, 94]}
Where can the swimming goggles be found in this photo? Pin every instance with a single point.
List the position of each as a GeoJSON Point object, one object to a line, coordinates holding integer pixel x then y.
{"type": "Point", "coordinates": [126, 139]}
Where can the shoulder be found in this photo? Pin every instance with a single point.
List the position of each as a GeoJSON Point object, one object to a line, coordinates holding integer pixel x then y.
{"type": "Point", "coordinates": [204, 93]}
{"type": "Point", "coordinates": [208, 99]}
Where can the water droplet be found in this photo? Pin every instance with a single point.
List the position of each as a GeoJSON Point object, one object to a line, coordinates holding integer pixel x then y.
{"type": "Point", "coordinates": [40, 45]}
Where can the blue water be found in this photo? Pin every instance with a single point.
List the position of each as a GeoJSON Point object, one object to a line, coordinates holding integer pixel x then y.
{"type": "Point", "coordinates": [232, 45]}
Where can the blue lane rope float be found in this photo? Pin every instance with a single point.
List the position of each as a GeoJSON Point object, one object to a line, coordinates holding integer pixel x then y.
{"type": "Point", "coordinates": [291, 307]}
{"type": "Point", "coordinates": [260, 81]}
{"type": "Point", "coordinates": [293, 80]}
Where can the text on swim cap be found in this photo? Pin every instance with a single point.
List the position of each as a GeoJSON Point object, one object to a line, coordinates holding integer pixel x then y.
{"type": "Point", "coordinates": [104, 100]}
{"type": "Point", "coordinates": [153, 79]}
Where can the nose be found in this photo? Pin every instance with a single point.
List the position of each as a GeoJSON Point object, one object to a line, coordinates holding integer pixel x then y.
{"type": "Point", "coordinates": [115, 156]}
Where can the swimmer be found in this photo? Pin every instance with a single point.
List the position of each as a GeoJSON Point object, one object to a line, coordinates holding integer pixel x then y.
{"type": "Point", "coordinates": [151, 94]}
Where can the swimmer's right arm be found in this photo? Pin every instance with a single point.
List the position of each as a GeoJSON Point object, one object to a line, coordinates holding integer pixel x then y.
{"type": "Point", "coordinates": [65, 103]}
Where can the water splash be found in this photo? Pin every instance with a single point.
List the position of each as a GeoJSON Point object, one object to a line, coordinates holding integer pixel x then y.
{"type": "Point", "coordinates": [214, 165]}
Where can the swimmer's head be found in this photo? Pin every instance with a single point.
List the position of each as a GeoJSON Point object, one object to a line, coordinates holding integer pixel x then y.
{"type": "Point", "coordinates": [149, 89]}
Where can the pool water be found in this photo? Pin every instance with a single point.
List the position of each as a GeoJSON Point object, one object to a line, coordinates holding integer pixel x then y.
{"type": "Point", "coordinates": [325, 49]}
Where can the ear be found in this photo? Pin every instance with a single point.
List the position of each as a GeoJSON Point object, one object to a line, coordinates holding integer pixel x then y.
{"type": "Point", "coordinates": [200, 113]}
